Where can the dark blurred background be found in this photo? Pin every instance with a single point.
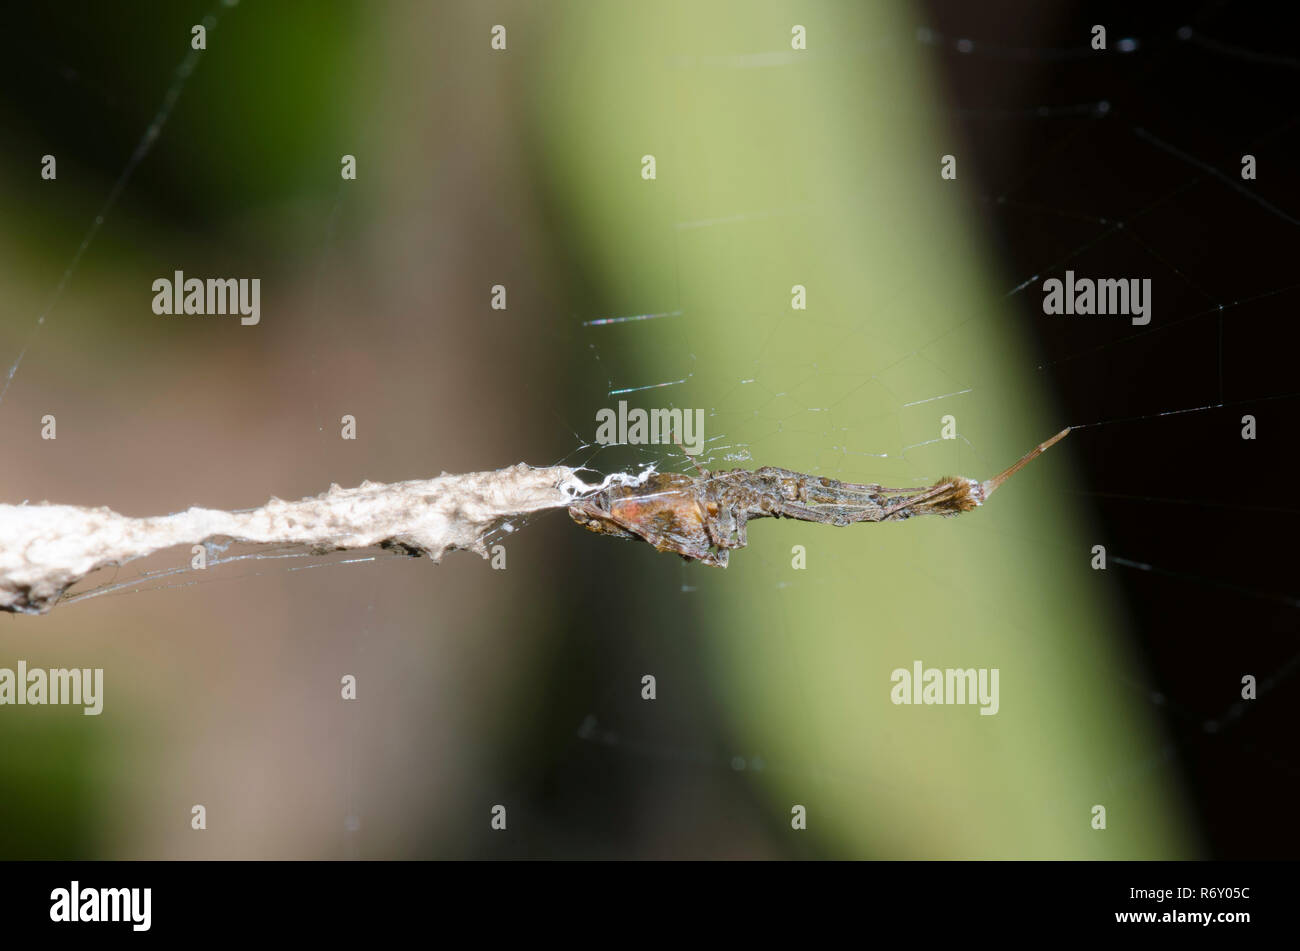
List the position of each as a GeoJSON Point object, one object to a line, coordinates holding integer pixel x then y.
{"type": "Point", "coordinates": [1182, 493]}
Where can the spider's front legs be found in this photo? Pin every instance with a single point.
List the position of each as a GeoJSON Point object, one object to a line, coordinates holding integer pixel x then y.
{"type": "Point", "coordinates": [836, 505]}
{"type": "Point", "coordinates": [838, 515]}
{"type": "Point", "coordinates": [810, 489]}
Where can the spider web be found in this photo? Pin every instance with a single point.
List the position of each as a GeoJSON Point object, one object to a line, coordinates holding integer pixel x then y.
{"type": "Point", "coordinates": [1115, 166]}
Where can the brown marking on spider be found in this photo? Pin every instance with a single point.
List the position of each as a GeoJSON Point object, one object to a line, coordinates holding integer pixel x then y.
{"type": "Point", "coordinates": [703, 518]}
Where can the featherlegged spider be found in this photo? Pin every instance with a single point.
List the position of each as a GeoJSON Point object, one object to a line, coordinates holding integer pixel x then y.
{"type": "Point", "coordinates": [703, 517]}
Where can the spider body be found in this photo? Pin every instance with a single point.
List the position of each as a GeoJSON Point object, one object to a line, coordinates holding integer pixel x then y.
{"type": "Point", "coordinates": [703, 518]}
{"type": "Point", "coordinates": [669, 510]}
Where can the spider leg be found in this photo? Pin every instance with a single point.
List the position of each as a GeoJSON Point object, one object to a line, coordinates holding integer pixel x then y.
{"type": "Point", "coordinates": [931, 496]}
{"type": "Point", "coordinates": [703, 473]}
{"type": "Point", "coordinates": [727, 528]}
{"type": "Point", "coordinates": [664, 543]}
{"type": "Point", "coordinates": [822, 489]}
{"type": "Point", "coordinates": [827, 514]}
{"type": "Point", "coordinates": [861, 509]}
{"type": "Point", "coordinates": [741, 538]}
{"type": "Point", "coordinates": [714, 559]}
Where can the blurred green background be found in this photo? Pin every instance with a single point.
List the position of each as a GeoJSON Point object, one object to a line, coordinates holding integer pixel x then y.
{"type": "Point", "coordinates": [523, 167]}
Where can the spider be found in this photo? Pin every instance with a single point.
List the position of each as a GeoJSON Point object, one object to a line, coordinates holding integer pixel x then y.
{"type": "Point", "coordinates": [703, 517]}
